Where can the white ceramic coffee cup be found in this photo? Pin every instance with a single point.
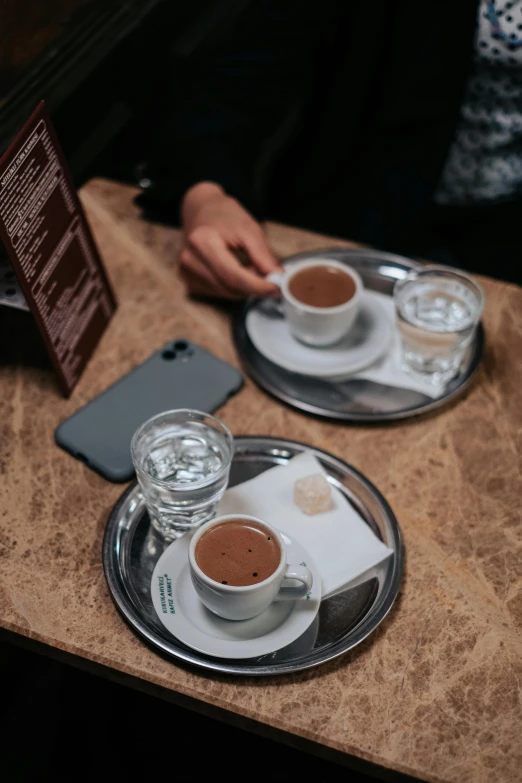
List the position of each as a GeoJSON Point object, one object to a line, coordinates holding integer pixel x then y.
{"type": "Point", "coordinates": [318, 326]}
{"type": "Point", "coordinates": [243, 602]}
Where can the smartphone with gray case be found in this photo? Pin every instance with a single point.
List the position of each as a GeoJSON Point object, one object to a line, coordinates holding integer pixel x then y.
{"type": "Point", "coordinates": [179, 375]}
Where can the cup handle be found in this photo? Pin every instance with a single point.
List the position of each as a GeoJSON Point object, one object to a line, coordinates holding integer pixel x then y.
{"type": "Point", "coordinates": [290, 592]}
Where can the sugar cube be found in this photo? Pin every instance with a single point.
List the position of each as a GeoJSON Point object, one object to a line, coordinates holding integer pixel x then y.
{"type": "Point", "coordinates": [313, 494]}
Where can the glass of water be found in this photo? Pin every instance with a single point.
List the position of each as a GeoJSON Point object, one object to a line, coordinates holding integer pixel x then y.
{"type": "Point", "coordinates": [182, 460]}
{"type": "Point", "coordinates": [437, 311]}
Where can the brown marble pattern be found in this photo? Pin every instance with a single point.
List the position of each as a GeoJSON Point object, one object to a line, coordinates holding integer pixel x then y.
{"type": "Point", "coordinates": [435, 692]}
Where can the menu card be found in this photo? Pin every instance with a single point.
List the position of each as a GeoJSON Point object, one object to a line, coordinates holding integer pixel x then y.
{"type": "Point", "coordinates": [51, 250]}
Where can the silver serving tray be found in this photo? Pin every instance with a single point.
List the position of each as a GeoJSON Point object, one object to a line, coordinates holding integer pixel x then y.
{"type": "Point", "coordinates": [357, 399]}
{"type": "Point", "coordinates": [131, 548]}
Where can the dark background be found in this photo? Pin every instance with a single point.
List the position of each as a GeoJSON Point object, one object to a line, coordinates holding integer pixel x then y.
{"type": "Point", "coordinates": [103, 68]}
{"type": "Point", "coordinates": [60, 723]}
{"type": "Point", "coordinates": [108, 71]}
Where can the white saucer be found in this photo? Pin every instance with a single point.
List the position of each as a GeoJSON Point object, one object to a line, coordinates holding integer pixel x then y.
{"type": "Point", "coordinates": [365, 343]}
{"type": "Point", "coordinates": [183, 614]}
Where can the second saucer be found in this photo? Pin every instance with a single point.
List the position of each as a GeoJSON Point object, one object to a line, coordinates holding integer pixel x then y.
{"type": "Point", "coordinates": [368, 339]}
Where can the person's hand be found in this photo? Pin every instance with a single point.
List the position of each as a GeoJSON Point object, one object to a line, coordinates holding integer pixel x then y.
{"type": "Point", "coordinates": [217, 231]}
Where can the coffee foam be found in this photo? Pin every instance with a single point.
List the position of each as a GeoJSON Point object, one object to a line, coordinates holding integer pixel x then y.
{"type": "Point", "coordinates": [238, 552]}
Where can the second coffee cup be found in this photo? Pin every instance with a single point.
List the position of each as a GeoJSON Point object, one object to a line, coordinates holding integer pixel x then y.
{"type": "Point", "coordinates": [321, 299]}
{"type": "Point", "coordinates": [238, 566]}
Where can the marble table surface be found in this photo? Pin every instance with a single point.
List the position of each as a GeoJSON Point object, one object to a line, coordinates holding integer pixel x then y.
{"type": "Point", "coordinates": [435, 692]}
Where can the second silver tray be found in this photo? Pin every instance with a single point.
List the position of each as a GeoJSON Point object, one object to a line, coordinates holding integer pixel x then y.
{"type": "Point", "coordinates": [131, 548]}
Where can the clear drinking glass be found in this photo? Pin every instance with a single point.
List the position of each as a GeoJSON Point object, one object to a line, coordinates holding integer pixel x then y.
{"type": "Point", "coordinates": [437, 311]}
{"type": "Point", "coordinates": [182, 460]}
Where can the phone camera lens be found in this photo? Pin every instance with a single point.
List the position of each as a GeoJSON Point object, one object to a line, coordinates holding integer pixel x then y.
{"type": "Point", "coordinates": [180, 345]}
{"type": "Point", "coordinates": [168, 355]}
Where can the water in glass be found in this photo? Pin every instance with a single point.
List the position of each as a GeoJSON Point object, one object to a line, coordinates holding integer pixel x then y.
{"type": "Point", "coordinates": [182, 464]}
{"type": "Point", "coordinates": [437, 313]}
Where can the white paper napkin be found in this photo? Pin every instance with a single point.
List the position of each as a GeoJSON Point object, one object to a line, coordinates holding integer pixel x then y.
{"type": "Point", "coordinates": [387, 369]}
{"type": "Point", "coordinates": [340, 542]}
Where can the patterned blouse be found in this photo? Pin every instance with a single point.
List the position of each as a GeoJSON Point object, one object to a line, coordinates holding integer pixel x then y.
{"type": "Point", "coordinates": [484, 164]}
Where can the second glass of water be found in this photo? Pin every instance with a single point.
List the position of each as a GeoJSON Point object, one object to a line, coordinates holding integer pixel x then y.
{"type": "Point", "coordinates": [182, 460]}
{"type": "Point", "coordinates": [437, 311]}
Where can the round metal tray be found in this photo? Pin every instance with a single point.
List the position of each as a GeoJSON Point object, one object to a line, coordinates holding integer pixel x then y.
{"type": "Point", "coordinates": [131, 548]}
{"type": "Point", "coordinates": [353, 399]}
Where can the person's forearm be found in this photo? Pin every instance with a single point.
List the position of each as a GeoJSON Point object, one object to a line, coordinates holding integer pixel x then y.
{"type": "Point", "coordinates": [201, 191]}
{"type": "Point", "coordinates": [197, 197]}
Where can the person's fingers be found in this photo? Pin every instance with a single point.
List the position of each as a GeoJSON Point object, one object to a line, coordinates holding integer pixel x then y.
{"type": "Point", "coordinates": [200, 279]}
{"type": "Point", "coordinates": [260, 254]}
{"type": "Point", "coordinates": [189, 262]}
{"type": "Point", "coordinates": [213, 250]}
